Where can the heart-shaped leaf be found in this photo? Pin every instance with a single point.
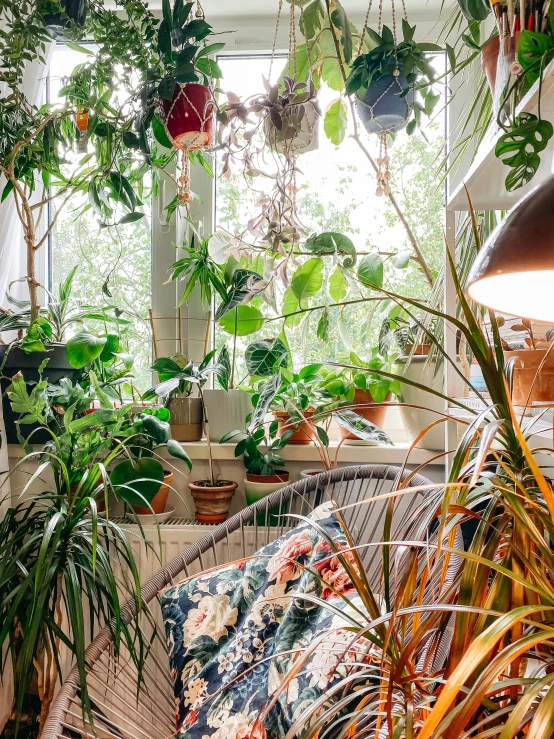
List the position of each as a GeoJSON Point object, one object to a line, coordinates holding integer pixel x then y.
{"type": "Point", "coordinates": [137, 482]}
{"type": "Point", "coordinates": [83, 348]}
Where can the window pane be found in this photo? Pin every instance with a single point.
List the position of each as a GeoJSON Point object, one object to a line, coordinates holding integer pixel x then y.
{"type": "Point", "coordinates": [114, 264]}
{"type": "Point", "coordinates": [336, 192]}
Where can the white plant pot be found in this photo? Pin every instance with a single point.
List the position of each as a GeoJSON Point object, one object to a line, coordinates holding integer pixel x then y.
{"type": "Point", "coordinates": [227, 411]}
{"type": "Point", "coordinates": [421, 370]}
{"type": "Point", "coordinates": [255, 491]}
{"type": "Point", "coordinates": [306, 140]}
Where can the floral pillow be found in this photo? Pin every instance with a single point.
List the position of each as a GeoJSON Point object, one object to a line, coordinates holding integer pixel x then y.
{"type": "Point", "coordinates": [235, 633]}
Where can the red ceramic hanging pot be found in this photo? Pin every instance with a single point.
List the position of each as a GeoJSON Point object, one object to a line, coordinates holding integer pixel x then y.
{"type": "Point", "coordinates": [189, 116]}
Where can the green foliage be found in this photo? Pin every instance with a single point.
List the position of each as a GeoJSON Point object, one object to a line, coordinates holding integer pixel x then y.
{"type": "Point", "coordinates": [370, 270]}
{"type": "Point", "coordinates": [178, 376]}
{"type": "Point", "coordinates": [519, 148]}
{"type": "Point", "coordinates": [198, 268]}
{"type": "Point", "coordinates": [257, 460]}
{"type": "Point", "coordinates": [475, 10]}
{"type": "Point", "coordinates": [335, 121]}
{"type": "Point", "coordinates": [265, 356]}
{"type": "Point", "coordinates": [243, 320]}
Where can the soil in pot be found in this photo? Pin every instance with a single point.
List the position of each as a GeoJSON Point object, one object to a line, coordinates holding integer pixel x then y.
{"type": "Point", "coordinates": [302, 433]}
{"type": "Point", "coordinates": [382, 108]}
{"type": "Point", "coordinates": [28, 364]}
{"type": "Point", "coordinates": [160, 499]}
{"type": "Point", "coordinates": [525, 376]}
{"type": "Point", "coordinates": [367, 408]}
{"type": "Point", "coordinates": [212, 501]}
{"type": "Point", "coordinates": [189, 116]}
{"type": "Point", "coordinates": [186, 419]}
{"type": "Point", "coordinates": [258, 487]}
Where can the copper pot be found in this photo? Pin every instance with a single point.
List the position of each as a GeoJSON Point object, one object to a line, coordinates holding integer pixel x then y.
{"type": "Point", "coordinates": [489, 60]}
{"type": "Point", "coordinates": [525, 376]}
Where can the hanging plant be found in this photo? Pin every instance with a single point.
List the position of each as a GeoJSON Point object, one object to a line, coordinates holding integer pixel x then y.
{"type": "Point", "coordinates": [291, 116]}
{"type": "Point", "coordinates": [179, 91]}
{"type": "Point", "coordinates": [61, 15]}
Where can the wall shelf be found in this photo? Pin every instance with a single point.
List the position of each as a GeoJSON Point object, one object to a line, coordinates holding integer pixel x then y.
{"type": "Point", "coordinates": [486, 176]}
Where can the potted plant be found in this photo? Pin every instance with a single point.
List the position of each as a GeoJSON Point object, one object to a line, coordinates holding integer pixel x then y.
{"type": "Point", "coordinates": [296, 402]}
{"type": "Point", "coordinates": [178, 83]}
{"type": "Point", "coordinates": [531, 365]}
{"type": "Point", "coordinates": [290, 116]}
{"type": "Point", "coordinates": [174, 389]}
{"type": "Point", "coordinates": [145, 433]}
{"type": "Point", "coordinates": [366, 394]}
{"type": "Point", "coordinates": [212, 497]}
{"type": "Point", "coordinates": [59, 557]}
{"type": "Point", "coordinates": [385, 80]}
{"type": "Point", "coordinates": [265, 474]}
{"type": "Point", "coordinates": [66, 335]}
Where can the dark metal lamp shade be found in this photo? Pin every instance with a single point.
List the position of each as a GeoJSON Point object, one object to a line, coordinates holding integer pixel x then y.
{"type": "Point", "coordinates": [514, 272]}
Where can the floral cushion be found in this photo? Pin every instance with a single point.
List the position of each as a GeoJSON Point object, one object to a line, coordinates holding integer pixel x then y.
{"type": "Point", "coordinates": [236, 631]}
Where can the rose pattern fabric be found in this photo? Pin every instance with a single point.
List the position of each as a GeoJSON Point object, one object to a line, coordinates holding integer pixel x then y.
{"type": "Point", "coordinates": [235, 632]}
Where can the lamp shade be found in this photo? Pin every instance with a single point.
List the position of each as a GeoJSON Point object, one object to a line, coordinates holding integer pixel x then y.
{"type": "Point", "coordinates": [514, 271]}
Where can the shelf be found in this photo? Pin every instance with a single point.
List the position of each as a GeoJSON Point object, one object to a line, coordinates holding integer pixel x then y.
{"type": "Point", "coordinates": [486, 176]}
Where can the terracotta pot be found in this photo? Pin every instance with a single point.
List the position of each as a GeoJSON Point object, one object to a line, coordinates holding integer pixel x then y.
{"type": "Point", "coordinates": [302, 434]}
{"type": "Point", "coordinates": [160, 499]}
{"type": "Point", "coordinates": [367, 408]}
{"type": "Point", "coordinates": [186, 419]}
{"type": "Point", "coordinates": [421, 350]}
{"type": "Point", "coordinates": [212, 503]}
{"type": "Point", "coordinates": [489, 60]}
{"type": "Point", "coordinates": [189, 116]}
{"type": "Point", "coordinates": [525, 371]}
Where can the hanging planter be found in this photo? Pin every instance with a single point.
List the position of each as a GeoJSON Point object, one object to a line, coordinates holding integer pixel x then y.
{"type": "Point", "coordinates": [74, 11]}
{"type": "Point", "coordinates": [189, 116]}
{"type": "Point", "coordinates": [291, 124]}
{"type": "Point", "coordinates": [382, 108]}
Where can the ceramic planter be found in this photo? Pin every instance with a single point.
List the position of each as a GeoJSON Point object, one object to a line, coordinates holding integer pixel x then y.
{"type": "Point", "coordinates": [367, 408]}
{"type": "Point", "coordinates": [212, 503]}
{"type": "Point", "coordinates": [382, 108]}
{"type": "Point", "coordinates": [28, 364]}
{"type": "Point", "coordinates": [75, 9]}
{"type": "Point", "coordinates": [419, 369]}
{"type": "Point", "coordinates": [189, 116]}
{"type": "Point", "coordinates": [307, 138]}
{"type": "Point", "coordinates": [302, 433]}
{"type": "Point", "coordinates": [257, 487]}
{"type": "Point", "coordinates": [489, 60]}
{"type": "Point", "coordinates": [525, 377]}
{"type": "Point", "coordinates": [186, 419]}
{"type": "Point", "coordinates": [160, 499]}
{"type": "Point", "coordinates": [227, 411]}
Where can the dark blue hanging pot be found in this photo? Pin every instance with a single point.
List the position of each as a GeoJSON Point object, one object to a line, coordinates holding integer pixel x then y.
{"type": "Point", "coordinates": [76, 10]}
{"type": "Point", "coordinates": [382, 107]}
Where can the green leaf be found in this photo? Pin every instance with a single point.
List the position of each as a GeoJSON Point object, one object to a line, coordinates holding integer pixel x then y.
{"type": "Point", "coordinates": [520, 147]}
{"type": "Point", "coordinates": [534, 50]}
{"type": "Point", "coordinates": [340, 20]}
{"type": "Point", "coordinates": [476, 10]}
{"type": "Point", "coordinates": [335, 121]}
{"type": "Point", "coordinates": [263, 357]}
{"type": "Point", "coordinates": [160, 133]}
{"type": "Point", "coordinates": [269, 390]}
{"type": "Point", "coordinates": [124, 192]}
{"type": "Point", "coordinates": [137, 482]}
{"type": "Point", "coordinates": [311, 19]}
{"type": "Point", "coordinates": [360, 427]}
{"type": "Point", "coordinates": [176, 450]}
{"type": "Point", "coordinates": [31, 406]}
{"type": "Point", "coordinates": [84, 347]}
{"type": "Point", "coordinates": [308, 279]}
{"type": "Point", "coordinates": [290, 306]}
{"type": "Point", "coordinates": [166, 12]}
{"type": "Point", "coordinates": [164, 37]}
{"type": "Point", "coordinates": [210, 49]}
{"type": "Point", "coordinates": [402, 259]}
{"type": "Point", "coordinates": [209, 67]}
{"type": "Point", "coordinates": [78, 48]}
{"type": "Point", "coordinates": [370, 270]}
{"type": "Point", "coordinates": [323, 326]}
{"type": "Point", "coordinates": [245, 318]}
{"type": "Point", "coordinates": [338, 285]}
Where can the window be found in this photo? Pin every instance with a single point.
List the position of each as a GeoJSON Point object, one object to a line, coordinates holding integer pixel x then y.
{"type": "Point", "coordinates": [337, 193]}
{"type": "Point", "coordinates": [114, 264]}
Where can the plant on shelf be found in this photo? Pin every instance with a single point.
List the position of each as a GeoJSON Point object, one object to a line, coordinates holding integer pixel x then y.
{"type": "Point", "coordinates": [59, 556]}
{"type": "Point", "coordinates": [212, 497]}
{"type": "Point", "coordinates": [295, 402]}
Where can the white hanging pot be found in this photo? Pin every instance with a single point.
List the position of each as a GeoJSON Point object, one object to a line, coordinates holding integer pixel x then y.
{"type": "Point", "coordinates": [307, 139]}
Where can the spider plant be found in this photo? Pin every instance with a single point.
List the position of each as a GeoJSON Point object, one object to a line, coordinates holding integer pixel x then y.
{"type": "Point", "coordinates": [58, 556]}
{"type": "Point", "coordinates": [459, 638]}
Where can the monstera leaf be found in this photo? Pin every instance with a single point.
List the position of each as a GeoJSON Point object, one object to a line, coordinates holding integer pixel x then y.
{"type": "Point", "coordinates": [520, 147]}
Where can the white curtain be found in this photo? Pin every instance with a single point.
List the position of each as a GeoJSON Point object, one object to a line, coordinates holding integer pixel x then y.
{"type": "Point", "coordinates": [13, 266]}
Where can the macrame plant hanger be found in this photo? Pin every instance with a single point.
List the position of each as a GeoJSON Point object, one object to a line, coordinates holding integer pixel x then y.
{"type": "Point", "coordinates": [383, 173]}
{"type": "Point", "coordinates": [189, 141]}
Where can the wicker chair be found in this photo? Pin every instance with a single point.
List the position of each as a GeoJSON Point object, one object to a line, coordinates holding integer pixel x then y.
{"type": "Point", "coordinates": [118, 712]}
